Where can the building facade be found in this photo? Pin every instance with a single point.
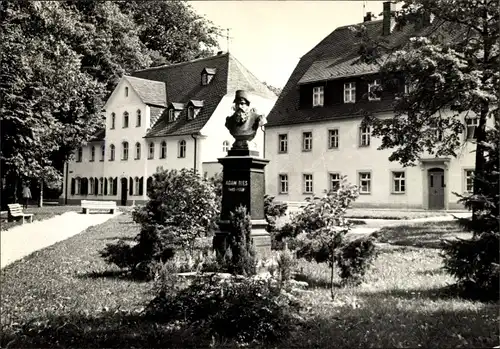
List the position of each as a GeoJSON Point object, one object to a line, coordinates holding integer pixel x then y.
{"type": "Point", "coordinates": [169, 117]}
{"type": "Point", "coordinates": [315, 134]}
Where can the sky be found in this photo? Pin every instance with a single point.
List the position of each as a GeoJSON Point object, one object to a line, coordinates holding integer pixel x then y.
{"type": "Point", "coordinates": [269, 37]}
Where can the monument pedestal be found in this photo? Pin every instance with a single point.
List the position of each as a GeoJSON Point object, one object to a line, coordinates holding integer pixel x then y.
{"type": "Point", "coordinates": [243, 183]}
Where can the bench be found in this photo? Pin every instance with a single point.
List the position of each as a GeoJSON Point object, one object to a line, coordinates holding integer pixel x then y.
{"type": "Point", "coordinates": [16, 211]}
{"type": "Point", "coordinates": [88, 205]}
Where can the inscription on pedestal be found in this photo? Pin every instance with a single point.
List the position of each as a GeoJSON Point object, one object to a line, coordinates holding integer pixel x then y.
{"type": "Point", "coordinates": [236, 186]}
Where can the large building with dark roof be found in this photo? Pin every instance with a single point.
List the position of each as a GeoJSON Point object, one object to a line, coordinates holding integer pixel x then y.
{"type": "Point", "coordinates": [169, 117]}
{"type": "Point", "coordinates": [314, 134]}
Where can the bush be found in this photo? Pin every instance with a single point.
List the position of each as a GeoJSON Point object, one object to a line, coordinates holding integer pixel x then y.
{"type": "Point", "coordinates": [354, 259]}
{"type": "Point", "coordinates": [475, 263]}
{"type": "Point", "coordinates": [237, 308]}
{"type": "Point", "coordinates": [182, 208]}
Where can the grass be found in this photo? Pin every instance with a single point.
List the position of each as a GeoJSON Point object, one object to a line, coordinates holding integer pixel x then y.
{"type": "Point", "coordinates": [391, 214]}
{"type": "Point", "coordinates": [40, 213]}
{"type": "Point", "coordinates": [66, 296]}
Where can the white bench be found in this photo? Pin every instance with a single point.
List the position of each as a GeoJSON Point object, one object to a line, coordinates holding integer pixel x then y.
{"type": "Point", "coordinates": [88, 205]}
{"type": "Point", "coordinates": [16, 211]}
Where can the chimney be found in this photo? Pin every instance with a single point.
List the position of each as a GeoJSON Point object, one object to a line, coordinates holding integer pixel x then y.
{"type": "Point", "coordinates": [388, 20]}
{"type": "Point", "coordinates": [368, 17]}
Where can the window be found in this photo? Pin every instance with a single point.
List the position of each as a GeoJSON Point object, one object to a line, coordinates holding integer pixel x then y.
{"type": "Point", "coordinates": [308, 183]}
{"type": "Point", "coordinates": [182, 149]}
{"type": "Point", "coordinates": [190, 112]}
{"type": "Point", "coordinates": [283, 143]}
{"type": "Point", "coordinates": [334, 181]}
{"type": "Point", "coordinates": [113, 120]}
{"type": "Point", "coordinates": [333, 139]}
{"type": "Point", "coordinates": [365, 182]}
{"type": "Point", "coordinates": [91, 185]}
{"type": "Point", "coordinates": [471, 124]}
{"type": "Point", "coordinates": [171, 115]}
{"type": "Point", "coordinates": [92, 153]}
{"type": "Point", "coordinates": [137, 151]}
{"type": "Point", "coordinates": [398, 182]}
{"type": "Point", "coordinates": [225, 146]}
{"type": "Point", "coordinates": [350, 92]}
{"type": "Point", "coordinates": [137, 185]}
{"type": "Point", "coordinates": [125, 119]}
{"type": "Point", "coordinates": [283, 185]}
{"type": "Point", "coordinates": [318, 96]}
{"type": "Point", "coordinates": [125, 151]}
{"type": "Point", "coordinates": [101, 186]}
{"type": "Point", "coordinates": [151, 151]}
{"type": "Point", "coordinates": [469, 181]}
{"type": "Point", "coordinates": [163, 150]}
{"type": "Point", "coordinates": [112, 152]}
{"type": "Point", "coordinates": [79, 154]}
{"type": "Point", "coordinates": [374, 90]}
{"type": "Point", "coordinates": [78, 183]}
{"type": "Point", "coordinates": [364, 136]}
{"type": "Point", "coordinates": [126, 91]}
{"type": "Point", "coordinates": [204, 79]}
{"type": "Point", "coordinates": [110, 186]}
{"type": "Point", "coordinates": [307, 141]}
{"type": "Point", "coordinates": [103, 152]}
{"type": "Point", "coordinates": [138, 120]}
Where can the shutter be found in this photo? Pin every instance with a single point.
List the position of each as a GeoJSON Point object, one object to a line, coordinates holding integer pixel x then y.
{"type": "Point", "coordinates": [141, 184]}
{"type": "Point", "coordinates": [105, 186]}
{"type": "Point", "coordinates": [73, 184]}
{"type": "Point", "coordinates": [115, 186]}
{"type": "Point", "coordinates": [131, 186]}
{"type": "Point", "coordinates": [96, 186]}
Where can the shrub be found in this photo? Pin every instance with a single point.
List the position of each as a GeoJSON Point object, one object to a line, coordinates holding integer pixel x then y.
{"type": "Point", "coordinates": [286, 262]}
{"type": "Point", "coordinates": [272, 211]}
{"type": "Point", "coordinates": [354, 259]}
{"type": "Point", "coordinates": [475, 263]}
{"type": "Point", "coordinates": [181, 209]}
{"type": "Point", "coordinates": [237, 308]}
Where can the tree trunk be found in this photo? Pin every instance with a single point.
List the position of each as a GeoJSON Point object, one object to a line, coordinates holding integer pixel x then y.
{"type": "Point", "coordinates": [332, 293]}
{"type": "Point", "coordinates": [40, 200]}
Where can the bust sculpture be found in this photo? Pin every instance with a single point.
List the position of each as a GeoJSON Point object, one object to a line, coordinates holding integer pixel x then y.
{"type": "Point", "coordinates": [245, 121]}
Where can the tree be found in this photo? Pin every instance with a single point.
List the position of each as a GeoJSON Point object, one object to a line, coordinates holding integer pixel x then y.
{"type": "Point", "coordinates": [452, 73]}
{"type": "Point", "coordinates": [172, 30]}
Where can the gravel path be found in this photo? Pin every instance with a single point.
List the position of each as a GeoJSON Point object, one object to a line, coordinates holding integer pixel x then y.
{"type": "Point", "coordinates": [22, 240]}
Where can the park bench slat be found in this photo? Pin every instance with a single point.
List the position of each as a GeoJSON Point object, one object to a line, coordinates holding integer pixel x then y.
{"type": "Point", "coordinates": [16, 211]}
{"type": "Point", "coordinates": [87, 205]}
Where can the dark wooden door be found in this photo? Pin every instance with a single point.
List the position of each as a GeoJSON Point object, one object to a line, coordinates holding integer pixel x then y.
{"type": "Point", "coordinates": [436, 189]}
{"type": "Point", "coordinates": [124, 188]}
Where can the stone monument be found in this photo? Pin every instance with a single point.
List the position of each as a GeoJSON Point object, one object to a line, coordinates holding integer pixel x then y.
{"type": "Point", "coordinates": [243, 181]}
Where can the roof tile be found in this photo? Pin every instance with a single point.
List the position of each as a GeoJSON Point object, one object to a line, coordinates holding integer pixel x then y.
{"type": "Point", "coordinates": [150, 92]}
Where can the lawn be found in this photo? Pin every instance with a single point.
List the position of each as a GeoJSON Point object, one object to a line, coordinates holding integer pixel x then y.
{"type": "Point", "coordinates": [66, 296]}
{"type": "Point", "coordinates": [40, 213]}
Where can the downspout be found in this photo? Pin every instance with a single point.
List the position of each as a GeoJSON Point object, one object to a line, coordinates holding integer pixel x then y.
{"type": "Point", "coordinates": [195, 150]}
{"type": "Point", "coordinates": [66, 184]}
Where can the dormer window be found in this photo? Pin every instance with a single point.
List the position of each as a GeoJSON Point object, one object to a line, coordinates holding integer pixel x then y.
{"type": "Point", "coordinates": [171, 115]}
{"type": "Point", "coordinates": [194, 107]}
{"type": "Point", "coordinates": [174, 109]}
{"type": "Point", "coordinates": [318, 96]}
{"type": "Point", "coordinates": [207, 75]}
{"type": "Point", "coordinates": [374, 90]}
{"type": "Point", "coordinates": [350, 92]}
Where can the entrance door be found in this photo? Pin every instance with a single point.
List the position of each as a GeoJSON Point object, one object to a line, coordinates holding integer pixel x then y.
{"type": "Point", "coordinates": [124, 192]}
{"type": "Point", "coordinates": [436, 189]}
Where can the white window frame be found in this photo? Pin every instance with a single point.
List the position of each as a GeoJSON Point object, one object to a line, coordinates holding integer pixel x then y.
{"type": "Point", "coordinates": [100, 190]}
{"type": "Point", "coordinates": [334, 177]}
{"type": "Point", "coordinates": [181, 149]}
{"type": "Point", "coordinates": [307, 141]}
{"type": "Point", "coordinates": [350, 92]}
{"type": "Point", "coordinates": [110, 186]}
{"type": "Point", "coordinates": [364, 136]}
{"type": "Point", "coordinates": [225, 146]}
{"type": "Point", "coordinates": [398, 184]}
{"type": "Point", "coordinates": [91, 186]}
{"type": "Point", "coordinates": [171, 115]}
{"type": "Point", "coordinates": [365, 176]}
{"type": "Point", "coordinates": [190, 112]}
{"type": "Point", "coordinates": [78, 185]}
{"type": "Point", "coordinates": [92, 153]}
{"type": "Point", "coordinates": [374, 83]}
{"type": "Point", "coordinates": [79, 154]}
{"type": "Point", "coordinates": [471, 124]}
{"type": "Point", "coordinates": [333, 138]}
{"type": "Point", "coordinates": [204, 79]}
{"type": "Point", "coordinates": [136, 185]}
{"type": "Point", "coordinates": [113, 121]}
{"type": "Point", "coordinates": [151, 150]}
{"type": "Point", "coordinates": [318, 96]}
{"type": "Point", "coordinates": [124, 151]}
{"type": "Point", "coordinates": [283, 183]}
{"type": "Point", "coordinates": [469, 176]}
{"type": "Point", "coordinates": [307, 179]}
{"type": "Point", "coordinates": [163, 150]}
{"type": "Point", "coordinates": [283, 143]}
{"type": "Point", "coordinates": [137, 151]}
{"type": "Point", "coordinates": [103, 152]}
